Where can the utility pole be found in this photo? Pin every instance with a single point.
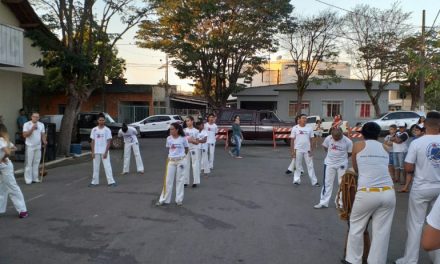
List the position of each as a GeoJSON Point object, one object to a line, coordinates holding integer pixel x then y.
{"type": "Point", "coordinates": [167, 92]}
{"type": "Point", "coordinates": [422, 75]}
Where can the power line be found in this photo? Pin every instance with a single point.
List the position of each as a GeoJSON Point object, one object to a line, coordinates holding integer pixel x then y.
{"type": "Point", "coordinates": [435, 20]}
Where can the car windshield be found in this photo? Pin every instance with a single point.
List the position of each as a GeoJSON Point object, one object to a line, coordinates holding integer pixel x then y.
{"type": "Point", "coordinates": [109, 119]}
{"type": "Point", "coordinates": [311, 120]}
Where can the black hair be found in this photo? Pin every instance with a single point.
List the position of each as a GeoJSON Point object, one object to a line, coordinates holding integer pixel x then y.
{"type": "Point", "coordinates": [393, 126]}
{"type": "Point", "coordinates": [21, 110]}
{"type": "Point", "coordinates": [179, 129]}
{"type": "Point", "coordinates": [235, 117]}
{"type": "Point", "coordinates": [370, 130]}
{"type": "Point", "coordinates": [198, 124]}
{"type": "Point", "coordinates": [301, 115]}
{"type": "Point", "coordinates": [420, 119]}
{"type": "Point", "coordinates": [433, 114]}
{"type": "Point", "coordinates": [211, 114]}
{"type": "Point", "coordinates": [124, 127]}
{"type": "Point", "coordinates": [101, 115]}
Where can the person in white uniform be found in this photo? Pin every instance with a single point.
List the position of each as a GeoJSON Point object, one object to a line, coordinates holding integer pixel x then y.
{"type": "Point", "coordinates": [192, 160]}
{"type": "Point", "coordinates": [431, 233]}
{"type": "Point", "coordinates": [131, 143]}
{"type": "Point", "coordinates": [301, 149]}
{"type": "Point", "coordinates": [178, 148]}
{"type": "Point", "coordinates": [338, 148]}
{"type": "Point", "coordinates": [101, 137]}
{"type": "Point", "coordinates": [423, 159]}
{"type": "Point", "coordinates": [8, 184]}
{"type": "Point", "coordinates": [34, 133]}
{"type": "Point", "coordinates": [291, 167]}
{"type": "Point", "coordinates": [203, 148]}
{"type": "Point", "coordinates": [400, 148]}
{"type": "Point", "coordinates": [375, 198]}
{"type": "Point", "coordinates": [211, 129]}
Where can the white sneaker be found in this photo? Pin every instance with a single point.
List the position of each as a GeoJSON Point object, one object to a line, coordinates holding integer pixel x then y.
{"type": "Point", "coordinates": [319, 206]}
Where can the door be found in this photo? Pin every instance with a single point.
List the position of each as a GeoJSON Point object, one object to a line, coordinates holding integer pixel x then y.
{"type": "Point", "coordinates": [164, 123]}
{"type": "Point", "coordinates": [150, 124]}
{"type": "Point", "coordinates": [389, 119]}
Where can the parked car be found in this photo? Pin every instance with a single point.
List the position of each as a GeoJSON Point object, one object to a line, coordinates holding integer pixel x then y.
{"type": "Point", "coordinates": [254, 124]}
{"type": "Point", "coordinates": [88, 120]}
{"type": "Point", "coordinates": [157, 125]}
{"type": "Point", "coordinates": [390, 118]}
{"type": "Point", "coordinates": [325, 125]}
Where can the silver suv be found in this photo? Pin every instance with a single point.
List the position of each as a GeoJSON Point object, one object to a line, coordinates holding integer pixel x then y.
{"type": "Point", "coordinates": [410, 118]}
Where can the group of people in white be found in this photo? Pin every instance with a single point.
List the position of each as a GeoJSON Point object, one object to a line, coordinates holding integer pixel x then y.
{"type": "Point", "coordinates": [378, 166]}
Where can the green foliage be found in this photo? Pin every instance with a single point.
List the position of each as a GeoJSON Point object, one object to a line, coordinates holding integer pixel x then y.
{"type": "Point", "coordinates": [215, 42]}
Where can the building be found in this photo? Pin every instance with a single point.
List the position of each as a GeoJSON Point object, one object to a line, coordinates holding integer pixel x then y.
{"type": "Point", "coordinates": [282, 72]}
{"type": "Point", "coordinates": [347, 97]}
{"type": "Point", "coordinates": [16, 55]}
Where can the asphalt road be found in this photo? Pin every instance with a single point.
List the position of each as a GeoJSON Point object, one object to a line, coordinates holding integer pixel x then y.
{"type": "Point", "coordinates": [247, 211]}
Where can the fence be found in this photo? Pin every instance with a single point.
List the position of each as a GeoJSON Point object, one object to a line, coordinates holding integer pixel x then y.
{"type": "Point", "coordinates": [132, 113]}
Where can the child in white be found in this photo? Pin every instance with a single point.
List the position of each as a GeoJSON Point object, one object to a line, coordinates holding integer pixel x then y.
{"type": "Point", "coordinates": [34, 133]}
{"type": "Point", "coordinates": [211, 129]}
{"type": "Point", "coordinates": [101, 137]}
{"type": "Point", "coordinates": [338, 149]}
{"type": "Point", "coordinates": [192, 159]}
{"type": "Point", "coordinates": [301, 137]}
{"type": "Point", "coordinates": [177, 145]}
{"type": "Point", "coordinates": [424, 156]}
{"type": "Point", "coordinates": [203, 149]}
{"type": "Point", "coordinates": [8, 184]}
{"type": "Point", "coordinates": [400, 148]}
{"type": "Point", "coordinates": [131, 142]}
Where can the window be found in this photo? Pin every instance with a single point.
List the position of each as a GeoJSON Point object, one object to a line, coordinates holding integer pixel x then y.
{"type": "Point", "coordinates": [364, 109]}
{"type": "Point", "coordinates": [164, 118]}
{"type": "Point", "coordinates": [268, 117]}
{"type": "Point", "coordinates": [331, 108]}
{"type": "Point", "coordinates": [246, 117]}
{"type": "Point", "coordinates": [330, 72]}
{"type": "Point", "coordinates": [61, 109]}
{"type": "Point", "coordinates": [409, 115]}
{"type": "Point", "coordinates": [152, 119]}
{"type": "Point", "coordinates": [304, 109]}
{"type": "Point", "coordinates": [226, 116]}
{"type": "Point", "coordinates": [392, 116]}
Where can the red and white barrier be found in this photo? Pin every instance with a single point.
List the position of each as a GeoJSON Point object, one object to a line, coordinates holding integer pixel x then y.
{"type": "Point", "coordinates": [222, 134]}
{"type": "Point", "coordinates": [355, 132]}
{"type": "Point", "coordinates": [280, 133]}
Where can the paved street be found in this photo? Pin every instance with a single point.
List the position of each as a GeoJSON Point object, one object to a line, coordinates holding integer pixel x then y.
{"type": "Point", "coordinates": [248, 211]}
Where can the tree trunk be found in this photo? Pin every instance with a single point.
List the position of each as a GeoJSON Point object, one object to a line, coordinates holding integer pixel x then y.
{"type": "Point", "coordinates": [414, 92]}
{"type": "Point", "coordinates": [376, 107]}
{"type": "Point", "coordinates": [70, 114]}
{"type": "Point", "coordinates": [299, 100]}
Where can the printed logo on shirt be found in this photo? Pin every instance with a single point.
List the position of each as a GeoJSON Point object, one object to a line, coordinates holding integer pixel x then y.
{"type": "Point", "coordinates": [173, 146]}
{"type": "Point", "coordinates": [98, 135]}
{"type": "Point", "coordinates": [336, 147]}
{"type": "Point", "coordinates": [433, 154]}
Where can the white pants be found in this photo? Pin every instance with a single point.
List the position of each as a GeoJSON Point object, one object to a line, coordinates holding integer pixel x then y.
{"type": "Point", "coordinates": [292, 165]}
{"type": "Point", "coordinates": [175, 169]}
{"type": "Point", "coordinates": [107, 168]}
{"type": "Point", "coordinates": [330, 173]}
{"type": "Point", "coordinates": [192, 160]}
{"type": "Point", "coordinates": [380, 206]}
{"type": "Point", "coordinates": [137, 155]}
{"type": "Point", "coordinates": [419, 201]}
{"type": "Point", "coordinates": [9, 188]}
{"type": "Point", "coordinates": [204, 161]}
{"type": "Point", "coordinates": [211, 151]}
{"type": "Point", "coordinates": [300, 156]}
{"type": "Point", "coordinates": [33, 158]}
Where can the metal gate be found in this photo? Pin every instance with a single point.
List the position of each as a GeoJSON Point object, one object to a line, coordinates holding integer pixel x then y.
{"type": "Point", "coordinates": [132, 113]}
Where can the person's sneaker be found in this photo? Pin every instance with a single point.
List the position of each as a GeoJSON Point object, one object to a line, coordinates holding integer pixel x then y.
{"type": "Point", "coordinates": [179, 204]}
{"type": "Point", "coordinates": [124, 173]}
{"type": "Point", "coordinates": [296, 183]}
{"type": "Point", "coordinates": [185, 185]}
{"type": "Point", "coordinates": [319, 206]}
{"type": "Point", "coordinates": [93, 185]}
{"type": "Point", "coordinates": [239, 157]}
{"type": "Point", "coordinates": [113, 184]}
{"type": "Point", "coordinates": [194, 185]}
{"type": "Point", "coordinates": [159, 203]}
{"type": "Point", "coordinates": [288, 172]}
{"type": "Point", "coordinates": [36, 181]}
{"type": "Point", "coordinates": [317, 185]}
{"type": "Point", "coordinates": [23, 214]}
{"type": "Point", "coordinates": [230, 153]}
{"type": "Point", "coordinates": [140, 172]}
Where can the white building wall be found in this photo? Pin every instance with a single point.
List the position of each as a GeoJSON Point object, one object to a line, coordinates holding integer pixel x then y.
{"type": "Point", "coordinates": [11, 90]}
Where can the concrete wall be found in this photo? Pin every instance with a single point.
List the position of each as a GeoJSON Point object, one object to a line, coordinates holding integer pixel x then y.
{"type": "Point", "coordinates": [11, 90]}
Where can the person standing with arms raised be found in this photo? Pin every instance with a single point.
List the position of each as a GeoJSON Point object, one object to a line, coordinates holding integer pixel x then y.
{"type": "Point", "coordinates": [301, 149]}
{"type": "Point", "coordinates": [34, 133]}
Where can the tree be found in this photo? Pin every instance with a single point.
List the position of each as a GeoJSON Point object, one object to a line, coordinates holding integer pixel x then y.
{"type": "Point", "coordinates": [214, 42]}
{"type": "Point", "coordinates": [86, 48]}
{"type": "Point", "coordinates": [310, 41]}
{"type": "Point", "coordinates": [372, 37]}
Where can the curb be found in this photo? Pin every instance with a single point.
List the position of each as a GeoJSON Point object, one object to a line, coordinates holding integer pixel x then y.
{"type": "Point", "coordinates": [50, 163]}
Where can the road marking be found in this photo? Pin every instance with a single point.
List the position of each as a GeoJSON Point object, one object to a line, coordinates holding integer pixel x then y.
{"type": "Point", "coordinates": [27, 201]}
{"type": "Point", "coordinates": [75, 181]}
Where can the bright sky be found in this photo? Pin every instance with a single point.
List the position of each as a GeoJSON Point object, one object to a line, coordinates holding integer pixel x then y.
{"type": "Point", "coordinates": [143, 64]}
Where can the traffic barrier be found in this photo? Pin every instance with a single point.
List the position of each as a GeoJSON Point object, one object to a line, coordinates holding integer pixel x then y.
{"type": "Point", "coordinates": [280, 133]}
{"type": "Point", "coordinates": [222, 134]}
{"type": "Point", "coordinates": [355, 132]}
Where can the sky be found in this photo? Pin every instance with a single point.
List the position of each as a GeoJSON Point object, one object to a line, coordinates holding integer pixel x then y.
{"type": "Point", "coordinates": [143, 64]}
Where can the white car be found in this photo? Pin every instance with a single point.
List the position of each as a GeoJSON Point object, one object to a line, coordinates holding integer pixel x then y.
{"type": "Point", "coordinates": [410, 118]}
{"type": "Point", "coordinates": [157, 124]}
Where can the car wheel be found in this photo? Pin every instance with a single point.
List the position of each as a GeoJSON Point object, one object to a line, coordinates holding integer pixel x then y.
{"type": "Point", "coordinates": [143, 134]}
{"type": "Point", "coordinates": [117, 142]}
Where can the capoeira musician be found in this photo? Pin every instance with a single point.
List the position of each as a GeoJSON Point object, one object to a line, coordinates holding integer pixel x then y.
{"type": "Point", "coordinates": [338, 148]}
{"type": "Point", "coordinates": [424, 159]}
{"type": "Point", "coordinates": [301, 148]}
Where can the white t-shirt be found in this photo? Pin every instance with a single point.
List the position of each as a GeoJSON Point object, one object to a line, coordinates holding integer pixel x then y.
{"type": "Point", "coordinates": [212, 131]}
{"type": "Point", "coordinates": [425, 154]}
{"type": "Point", "coordinates": [401, 147]}
{"type": "Point", "coordinates": [337, 154]}
{"type": "Point", "coordinates": [101, 136]}
{"type": "Point", "coordinates": [433, 219]}
{"type": "Point", "coordinates": [302, 136]}
{"type": "Point", "coordinates": [202, 135]}
{"type": "Point", "coordinates": [130, 137]}
{"type": "Point", "coordinates": [388, 138]}
{"type": "Point", "coordinates": [3, 145]}
{"type": "Point", "coordinates": [191, 133]}
{"type": "Point", "coordinates": [176, 146]}
{"type": "Point", "coordinates": [34, 140]}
